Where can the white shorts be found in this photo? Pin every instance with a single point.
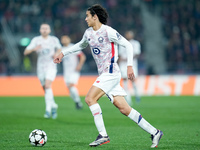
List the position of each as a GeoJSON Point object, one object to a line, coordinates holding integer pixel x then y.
{"type": "Point", "coordinates": [123, 69]}
{"type": "Point", "coordinates": [110, 84]}
{"type": "Point", "coordinates": [72, 78]}
{"type": "Point", "coordinates": [49, 74]}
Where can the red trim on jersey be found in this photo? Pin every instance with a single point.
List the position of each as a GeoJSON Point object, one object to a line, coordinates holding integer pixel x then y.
{"type": "Point", "coordinates": [113, 49]}
{"type": "Point", "coordinates": [112, 58]}
{"type": "Point", "coordinates": [81, 53]}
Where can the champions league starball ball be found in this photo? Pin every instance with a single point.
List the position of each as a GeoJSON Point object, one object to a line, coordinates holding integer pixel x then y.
{"type": "Point", "coordinates": [38, 137]}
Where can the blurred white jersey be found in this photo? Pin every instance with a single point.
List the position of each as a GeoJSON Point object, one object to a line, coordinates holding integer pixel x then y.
{"type": "Point", "coordinates": [104, 47]}
{"type": "Point", "coordinates": [70, 63]}
{"type": "Point", "coordinates": [45, 54]}
{"type": "Point", "coordinates": [123, 57]}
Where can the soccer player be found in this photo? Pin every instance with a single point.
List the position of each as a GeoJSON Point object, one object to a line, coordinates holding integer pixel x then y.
{"type": "Point", "coordinates": [103, 41]}
{"type": "Point", "coordinates": [72, 65]}
{"type": "Point", "coordinates": [46, 47]}
{"type": "Point", "coordinates": [123, 63]}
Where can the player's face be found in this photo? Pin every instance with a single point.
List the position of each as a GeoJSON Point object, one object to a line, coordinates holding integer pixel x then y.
{"type": "Point", "coordinates": [45, 30]}
{"type": "Point", "coordinates": [129, 35]}
{"type": "Point", "coordinates": [65, 40]}
{"type": "Point", "coordinates": [89, 19]}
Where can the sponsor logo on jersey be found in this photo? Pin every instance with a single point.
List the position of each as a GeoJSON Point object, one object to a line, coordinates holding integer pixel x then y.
{"type": "Point", "coordinates": [96, 51]}
{"type": "Point", "coordinates": [118, 36]}
{"type": "Point", "coordinates": [97, 81]}
{"type": "Point", "coordinates": [100, 39]}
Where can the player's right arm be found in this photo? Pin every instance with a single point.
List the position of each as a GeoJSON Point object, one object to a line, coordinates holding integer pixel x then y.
{"type": "Point", "coordinates": [32, 47]}
{"type": "Point", "coordinates": [77, 47]}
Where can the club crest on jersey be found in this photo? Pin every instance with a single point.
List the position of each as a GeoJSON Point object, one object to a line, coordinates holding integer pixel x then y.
{"type": "Point", "coordinates": [100, 39]}
{"type": "Point", "coordinates": [118, 35]}
{"type": "Point", "coordinates": [96, 51]}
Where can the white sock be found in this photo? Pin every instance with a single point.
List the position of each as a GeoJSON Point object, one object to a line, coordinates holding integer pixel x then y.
{"type": "Point", "coordinates": [74, 94]}
{"type": "Point", "coordinates": [128, 97]}
{"type": "Point", "coordinates": [49, 99]}
{"type": "Point", "coordinates": [98, 119]}
{"type": "Point", "coordinates": [136, 117]}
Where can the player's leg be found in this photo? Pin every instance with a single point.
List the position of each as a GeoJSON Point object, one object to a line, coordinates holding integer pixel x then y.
{"type": "Point", "coordinates": [91, 99]}
{"type": "Point", "coordinates": [50, 75]}
{"type": "Point", "coordinates": [47, 102]}
{"type": "Point", "coordinates": [49, 99]}
{"type": "Point", "coordinates": [128, 96]}
{"type": "Point", "coordinates": [123, 68]}
{"type": "Point", "coordinates": [134, 115]}
{"type": "Point", "coordinates": [71, 79]}
{"type": "Point", "coordinates": [75, 95]}
{"type": "Point", "coordinates": [137, 97]}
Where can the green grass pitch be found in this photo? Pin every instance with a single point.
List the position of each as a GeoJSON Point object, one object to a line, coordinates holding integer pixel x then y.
{"type": "Point", "coordinates": [177, 116]}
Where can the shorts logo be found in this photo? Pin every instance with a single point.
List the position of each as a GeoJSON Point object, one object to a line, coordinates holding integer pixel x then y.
{"type": "Point", "coordinates": [97, 81]}
{"type": "Point", "coordinates": [100, 39]}
{"type": "Point", "coordinates": [96, 51]}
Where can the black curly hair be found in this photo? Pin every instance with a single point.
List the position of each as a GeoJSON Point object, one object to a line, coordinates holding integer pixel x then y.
{"type": "Point", "coordinates": [100, 12]}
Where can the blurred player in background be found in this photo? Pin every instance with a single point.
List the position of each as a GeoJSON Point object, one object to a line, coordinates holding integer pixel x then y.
{"type": "Point", "coordinates": [123, 63]}
{"type": "Point", "coordinates": [103, 41]}
{"type": "Point", "coordinates": [46, 47]}
{"type": "Point", "coordinates": [72, 65]}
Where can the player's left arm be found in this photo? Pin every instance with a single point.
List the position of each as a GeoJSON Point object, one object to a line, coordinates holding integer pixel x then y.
{"type": "Point", "coordinates": [115, 37]}
{"type": "Point", "coordinates": [82, 59]}
{"type": "Point", "coordinates": [58, 47]}
{"type": "Point", "coordinates": [57, 53]}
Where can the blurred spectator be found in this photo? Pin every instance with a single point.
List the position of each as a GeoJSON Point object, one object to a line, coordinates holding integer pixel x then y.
{"type": "Point", "coordinates": [181, 24]}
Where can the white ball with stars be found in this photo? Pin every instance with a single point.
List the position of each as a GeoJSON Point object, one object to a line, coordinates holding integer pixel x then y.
{"type": "Point", "coordinates": [38, 137]}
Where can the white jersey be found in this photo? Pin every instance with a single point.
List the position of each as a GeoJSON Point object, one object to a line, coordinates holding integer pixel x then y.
{"type": "Point", "coordinates": [104, 47]}
{"type": "Point", "coordinates": [136, 51]}
{"type": "Point", "coordinates": [123, 57]}
{"type": "Point", "coordinates": [46, 53]}
{"type": "Point", "coordinates": [70, 62]}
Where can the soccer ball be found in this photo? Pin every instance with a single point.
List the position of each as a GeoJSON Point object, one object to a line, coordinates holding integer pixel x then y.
{"type": "Point", "coordinates": [38, 137]}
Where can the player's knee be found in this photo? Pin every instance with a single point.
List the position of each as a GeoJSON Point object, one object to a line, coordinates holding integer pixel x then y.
{"type": "Point", "coordinates": [89, 100]}
{"type": "Point", "coordinates": [47, 86]}
{"type": "Point", "coordinates": [70, 85]}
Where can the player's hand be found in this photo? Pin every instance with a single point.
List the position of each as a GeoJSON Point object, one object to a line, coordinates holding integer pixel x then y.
{"type": "Point", "coordinates": [58, 58]}
{"type": "Point", "coordinates": [78, 68]}
{"type": "Point", "coordinates": [130, 73]}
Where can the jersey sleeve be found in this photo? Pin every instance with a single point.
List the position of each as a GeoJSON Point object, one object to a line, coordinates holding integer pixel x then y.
{"type": "Point", "coordinates": [115, 37]}
{"type": "Point", "coordinates": [57, 42]}
{"type": "Point", "coordinates": [32, 44]}
{"type": "Point", "coordinates": [121, 50]}
{"type": "Point", "coordinates": [77, 47]}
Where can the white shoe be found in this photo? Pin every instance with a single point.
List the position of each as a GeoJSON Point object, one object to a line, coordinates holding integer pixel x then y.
{"type": "Point", "coordinates": [79, 105]}
{"type": "Point", "coordinates": [156, 138]}
{"type": "Point", "coordinates": [54, 112]}
{"type": "Point", "coordinates": [47, 115]}
{"type": "Point", "coordinates": [100, 141]}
